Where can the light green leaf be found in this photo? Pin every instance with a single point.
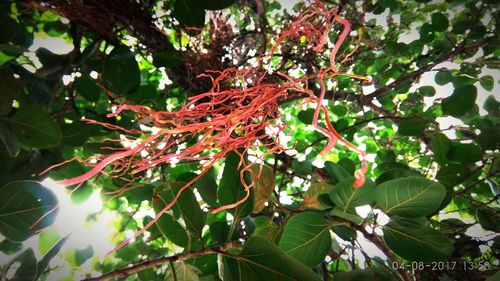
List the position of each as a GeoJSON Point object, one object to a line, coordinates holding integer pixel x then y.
{"type": "Point", "coordinates": [261, 260]}
{"type": "Point", "coordinates": [33, 127]}
{"type": "Point", "coordinates": [410, 197]}
{"type": "Point", "coordinates": [306, 237]}
{"type": "Point", "coordinates": [22, 203]}
{"type": "Point", "coordinates": [415, 241]}
{"type": "Point", "coordinates": [183, 272]}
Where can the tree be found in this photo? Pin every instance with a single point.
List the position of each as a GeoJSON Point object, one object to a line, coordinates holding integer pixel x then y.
{"type": "Point", "coordinates": [271, 144]}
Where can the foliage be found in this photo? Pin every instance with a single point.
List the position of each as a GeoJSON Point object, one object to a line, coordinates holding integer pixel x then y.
{"type": "Point", "coordinates": [430, 199]}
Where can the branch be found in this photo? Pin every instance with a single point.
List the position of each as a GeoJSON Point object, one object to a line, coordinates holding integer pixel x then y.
{"type": "Point", "coordinates": [127, 271]}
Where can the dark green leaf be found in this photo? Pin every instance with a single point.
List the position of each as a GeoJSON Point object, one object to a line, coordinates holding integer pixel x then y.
{"type": "Point", "coordinates": [465, 153]}
{"type": "Point", "coordinates": [487, 82]}
{"type": "Point", "coordinates": [306, 237]}
{"type": "Point", "coordinates": [37, 88]}
{"type": "Point", "coordinates": [231, 189]}
{"type": "Point", "coordinates": [261, 260]}
{"type": "Point", "coordinates": [443, 77]}
{"type": "Point", "coordinates": [121, 72]}
{"type": "Point", "coordinates": [189, 12]}
{"type": "Point", "coordinates": [452, 174]}
{"type": "Point", "coordinates": [439, 22]}
{"type": "Point", "coordinates": [9, 141]}
{"type": "Point", "coordinates": [33, 127]}
{"type": "Point", "coordinates": [355, 275]}
{"type": "Point", "coordinates": [411, 127]}
{"type": "Point", "coordinates": [87, 87]}
{"type": "Point", "coordinates": [207, 187]}
{"type": "Point", "coordinates": [168, 226]}
{"type": "Point", "coordinates": [337, 172]}
{"type": "Point", "coordinates": [302, 168]}
{"type": "Point", "coordinates": [409, 197]}
{"type": "Point", "coordinates": [8, 90]}
{"type": "Point", "coordinates": [8, 247]}
{"type": "Point", "coordinates": [217, 4]}
{"type": "Point", "coordinates": [488, 219]}
{"type": "Point", "coordinates": [190, 208]}
{"type": "Point", "coordinates": [23, 204]}
{"type": "Point", "coordinates": [44, 262]}
{"type": "Point", "coordinates": [27, 269]}
{"type": "Point", "coordinates": [306, 116]}
{"type": "Point", "coordinates": [416, 241]}
{"type": "Point", "coordinates": [462, 100]}
{"type": "Point", "coordinates": [440, 146]}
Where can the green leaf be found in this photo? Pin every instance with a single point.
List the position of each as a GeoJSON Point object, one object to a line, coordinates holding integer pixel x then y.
{"type": "Point", "coordinates": [265, 227]}
{"type": "Point", "coordinates": [8, 90]}
{"type": "Point", "coordinates": [346, 197]}
{"type": "Point", "coordinates": [46, 239]}
{"type": "Point", "coordinates": [8, 247]}
{"type": "Point", "coordinates": [306, 237]}
{"type": "Point", "coordinates": [347, 216]}
{"type": "Point", "coordinates": [27, 269]}
{"type": "Point", "coordinates": [488, 219]}
{"type": "Point", "coordinates": [487, 82]}
{"type": "Point", "coordinates": [462, 100]}
{"type": "Point", "coordinates": [121, 71]}
{"type": "Point", "coordinates": [410, 197]}
{"type": "Point", "coordinates": [415, 241]}
{"type": "Point", "coordinates": [336, 171]}
{"type": "Point", "coordinates": [78, 132]}
{"type": "Point", "coordinates": [168, 226]}
{"type": "Point", "coordinates": [443, 77]}
{"type": "Point", "coordinates": [440, 145]}
{"type": "Point", "coordinates": [439, 22]}
{"type": "Point", "coordinates": [302, 168]}
{"type": "Point", "coordinates": [261, 260]}
{"type": "Point", "coordinates": [9, 140]}
{"type": "Point", "coordinates": [37, 88]}
{"type": "Point", "coordinates": [411, 127]}
{"type": "Point", "coordinates": [190, 208]}
{"type": "Point", "coordinates": [189, 12]}
{"type": "Point", "coordinates": [33, 127]}
{"type": "Point", "coordinates": [207, 187]}
{"type": "Point", "coordinates": [231, 190]}
{"type": "Point", "coordinates": [465, 153]}
{"type": "Point", "coordinates": [489, 138]}
{"type": "Point", "coordinates": [77, 257]}
{"type": "Point", "coordinates": [88, 88]}
{"type": "Point", "coordinates": [427, 91]}
{"type": "Point", "coordinates": [183, 272]}
{"type": "Point", "coordinates": [452, 174]}
{"type": "Point", "coordinates": [263, 186]}
{"type": "Point", "coordinates": [491, 105]}
{"type": "Point", "coordinates": [306, 116]}
{"type": "Point", "coordinates": [44, 262]}
{"type": "Point", "coordinates": [167, 58]}
{"type": "Point", "coordinates": [22, 204]}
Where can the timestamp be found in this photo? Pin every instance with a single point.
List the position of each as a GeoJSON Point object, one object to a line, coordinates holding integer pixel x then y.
{"type": "Point", "coordinates": [443, 266]}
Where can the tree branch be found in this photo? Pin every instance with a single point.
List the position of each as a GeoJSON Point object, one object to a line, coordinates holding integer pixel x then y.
{"type": "Point", "coordinates": [124, 272]}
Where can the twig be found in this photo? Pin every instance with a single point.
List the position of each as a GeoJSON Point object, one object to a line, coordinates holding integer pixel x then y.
{"type": "Point", "coordinates": [127, 271]}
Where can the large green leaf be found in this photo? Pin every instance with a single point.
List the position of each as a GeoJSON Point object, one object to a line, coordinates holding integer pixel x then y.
{"type": "Point", "coordinates": [88, 88]}
{"type": "Point", "coordinates": [411, 127]}
{"type": "Point", "coordinates": [22, 204]}
{"type": "Point", "coordinates": [336, 171]}
{"type": "Point", "coordinates": [33, 127]}
{"type": "Point", "coordinates": [121, 72]}
{"type": "Point", "coordinates": [27, 267]}
{"type": "Point", "coordinates": [207, 187]}
{"type": "Point", "coordinates": [414, 240]}
{"type": "Point", "coordinates": [37, 88]}
{"type": "Point", "coordinates": [410, 197]}
{"type": "Point", "coordinates": [440, 146]}
{"type": "Point", "coordinates": [355, 275]}
{"type": "Point", "coordinates": [306, 237]}
{"type": "Point", "coordinates": [261, 260]}
{"type": "Point", "coordinates": [465, 153]}
{"type": "Point", "coordinates": [346, 197]}
{"type": "Point", "coordinates": [231, 189]}
{"type": "Point", "coordinates": [462, 100]}
{"type": "Point", "coordinates": [44, 262]}
{"type": "Point", "coordinates": [311, 196]}
{"type": "Point", "coordinates": [168, 226]}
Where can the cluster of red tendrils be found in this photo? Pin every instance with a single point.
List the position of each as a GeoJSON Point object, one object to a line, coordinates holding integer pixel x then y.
{"type": "Point", "coordinates": [243, 117]}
